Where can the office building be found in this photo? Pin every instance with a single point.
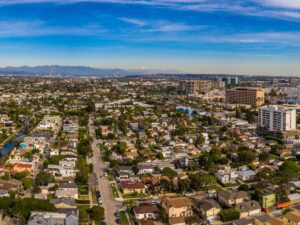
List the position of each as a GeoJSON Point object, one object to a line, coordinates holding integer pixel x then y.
{"type": "Point", "coordinates": [200, 86]}
{"type": "Point", "coordinates": [245, 96]}
{"type": "Point", "coordinates": [277, 118]}
{"type": "Point", "coordinates": [229, 80]}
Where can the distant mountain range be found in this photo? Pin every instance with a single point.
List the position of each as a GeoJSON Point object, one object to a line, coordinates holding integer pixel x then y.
{"type": "Point", "coordinates": [79, 71]}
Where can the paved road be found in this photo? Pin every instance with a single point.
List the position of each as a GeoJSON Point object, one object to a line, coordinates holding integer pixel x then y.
{"type": "Point", "coordinates": [109, 203]}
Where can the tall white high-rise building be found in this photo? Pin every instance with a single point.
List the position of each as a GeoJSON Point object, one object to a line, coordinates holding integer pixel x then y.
{"type": "Point", "coordinates": [277, 118]}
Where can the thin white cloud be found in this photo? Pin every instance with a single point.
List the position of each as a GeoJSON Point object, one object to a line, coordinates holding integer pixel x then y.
{"type": "Point", "coordinates": [40, 28]}
{"type": "Point", "coordinates": [168, 27]}
{"type": "Point", "coordinates": [134, 21]}
{"type": "Point", "coordinates": [280, 9]}
{"type": "Point", "coordinates": [275, 38]}
{"type": "Point", "coordinates": [292, 4]}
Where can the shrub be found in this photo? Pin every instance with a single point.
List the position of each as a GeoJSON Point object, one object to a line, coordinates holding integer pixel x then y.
{"type": "Point", "coordinates": [229, 214]}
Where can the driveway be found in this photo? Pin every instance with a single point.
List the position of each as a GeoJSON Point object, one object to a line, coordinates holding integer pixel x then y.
{"type": "Point", "coordinates": [102, 183]}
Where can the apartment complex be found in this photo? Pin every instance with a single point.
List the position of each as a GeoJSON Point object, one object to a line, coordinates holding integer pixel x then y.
{"type": "Point", "coordinates": [245, 96]}
{"type": "Point", "coordinates": [200, 86]}
{"type": "Point", "coordinates": [277, 118]}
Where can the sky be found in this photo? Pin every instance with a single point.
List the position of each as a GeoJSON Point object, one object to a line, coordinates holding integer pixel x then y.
{"type": "Point", "coordinates": [252, 37]}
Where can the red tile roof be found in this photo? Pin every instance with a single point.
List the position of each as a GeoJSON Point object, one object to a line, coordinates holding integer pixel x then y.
{"type": "Point", "coordinates": [132, 185]}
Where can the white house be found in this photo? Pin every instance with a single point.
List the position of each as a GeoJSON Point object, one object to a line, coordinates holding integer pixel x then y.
{"type": "Point", "coordinates": [145, 212]}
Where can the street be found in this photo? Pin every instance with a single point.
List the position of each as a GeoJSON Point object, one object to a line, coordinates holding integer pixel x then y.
{"type": "Point", "coordinates": [110, 205]}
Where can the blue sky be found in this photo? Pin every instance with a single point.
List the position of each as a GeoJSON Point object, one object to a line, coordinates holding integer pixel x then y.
{"type": "Point", "coordinates": [198, 36]}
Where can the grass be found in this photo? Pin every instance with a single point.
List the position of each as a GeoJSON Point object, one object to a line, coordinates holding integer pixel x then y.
{"type": "Point", "coordinates": [94, 198]}
{"type": "Point", "coordinates": [110, 176]}
{"type": "Point", "coordinates": [230, 185]}
{"type": "Point", "coordinates": [124, 218]}
{"type": "Point", "coordinates": [83, 216]}
{"type": "Point", "coordinates": [83, 197]}
{"type": "Point", "coordinates": [114, 191]}
{"type": "Point", "coordinates": [83, 190]}
{"type": "Point", "coordinates": [134, 195]}
{"type": "Point", "coordinates": [273, 156]}
{"type": "Point", "coordinates": [83, 206]}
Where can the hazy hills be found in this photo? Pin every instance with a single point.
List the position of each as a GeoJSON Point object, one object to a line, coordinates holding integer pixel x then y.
{"type": "Point", "coordinates": [78, 71]}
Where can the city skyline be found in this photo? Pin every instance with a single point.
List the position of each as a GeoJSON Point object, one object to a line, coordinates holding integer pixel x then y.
{"type": "Point", "coordinates": [193, 36]}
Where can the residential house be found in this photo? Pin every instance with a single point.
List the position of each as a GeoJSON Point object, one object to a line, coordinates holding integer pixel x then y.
{"type": "Point", "coordinates": [209, 209]}
{"type": "Point", "coordinates": [68, 190]}
{"type": "Point", "coordinates": [145, 168]}
{"type": "Point", "coordinates": [244, 222]}
{"type": "Point", "coordinates": [145, 212]}
{"type": "Point", "coordinates": [45, 189]}
{"type": "Point", "coordinates": [268, 199]}
{"type": "Point", "coordinates": [294, 198]}
{"type": "Point", "coordinates": [38, 218]}
{"type": "Point", "coordinates": [226, 175]}
{"type": "Point", "coordinates": [177, 221]}
{"type": "Point", "coordinates": [65, 203]}
{"type": "Point", "coordinates": [61, 172]}
{"type": "Point", "coordinates": [249, 208]}
{"type": "Point", "coordinates": [129, 187]}
{"type": "Point", "coordinates": [293, 217]}
{"type": "Point", "coordinates": [232, 197]}
{"type": "Point", "coordinates": [245, 174]}
{"type": "Point", "coordinates": [178, 207]}
{"type": "Point", "coordinates": [276, 221]}
{"type": "Point", "coordinates": [21, 167]}
{"type": "Point", "coordinates": [4, 193]}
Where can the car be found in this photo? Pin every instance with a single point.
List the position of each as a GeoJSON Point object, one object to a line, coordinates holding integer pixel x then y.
{"type": "Point", "coordinates": [98, 194]}
{"type": "Point", "coordinates": [153, 202]}
{"type": "Point", "coordinates": [117, 214]}
{"type": "Point", "coordinates": [102, 222]}
{"type": "Point", "coordinates": [118, 221]}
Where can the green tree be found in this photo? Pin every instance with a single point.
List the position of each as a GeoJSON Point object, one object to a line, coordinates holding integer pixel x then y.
{"type": "Point", "coordinates": [6, 204]}
{"type": "Point", "coordinates": [199, 140]}
{"type": "Point", "coordinates": [245, 157]}
{"type": "Point", "coordinates": [244, 187]}
{"type": "Point", "coordinates": [289, 171]}
{"type": "Point", "coordinates": [54, 160]}
{"type": "Point", "coordinates": [169, 172]}
{"type": "Point", "coordinates": [23, 207]}
{"type": "Point", "coordinates": [238, 112]}
{"type": "Point", "coordinates": [265, 174]}
{"type": "Point", "coordinates": [229, 214]}
{"type": "Point", "coordinates": [21, 175]}
{"type": "Point", "coordinates": [84, 148]}
{"type": "Point", "coordinates": [184, 185]}
{"type": "Point", "coordinates": [43, 178]}
{"type": "Point", "coordinates": [165, 185]}
{"type": "Point", "coordinates": [264, 156]}
{"type": "Point", "coordinates": [206, 163]}
{"type": "Point", "coordinates": [201, 181]}
{"type": "Point", "coordinates": [97, 213]}
{"type": "Point", "coordinates": [215, 154]}
{"type": "Point", "coordinates": [5, 176]}
{"type": "Point", "coordinates": [27, 182]}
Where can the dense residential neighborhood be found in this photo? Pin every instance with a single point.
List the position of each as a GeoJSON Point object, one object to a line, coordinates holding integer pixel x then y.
{"type": "Point", "coordinates": [149, 151]}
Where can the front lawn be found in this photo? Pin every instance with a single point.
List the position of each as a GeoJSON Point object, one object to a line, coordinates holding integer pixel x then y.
{"type": "Point", "coordinates": [134, 195]}
{"type": "Point", "coordinates": [124, 218]}
{"type": "Point", "coordinates": [83, 190]}
{"type": "Point", "coordinates": [110, 176]}
{"type": "Point", "coordinates": [114, 191]}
